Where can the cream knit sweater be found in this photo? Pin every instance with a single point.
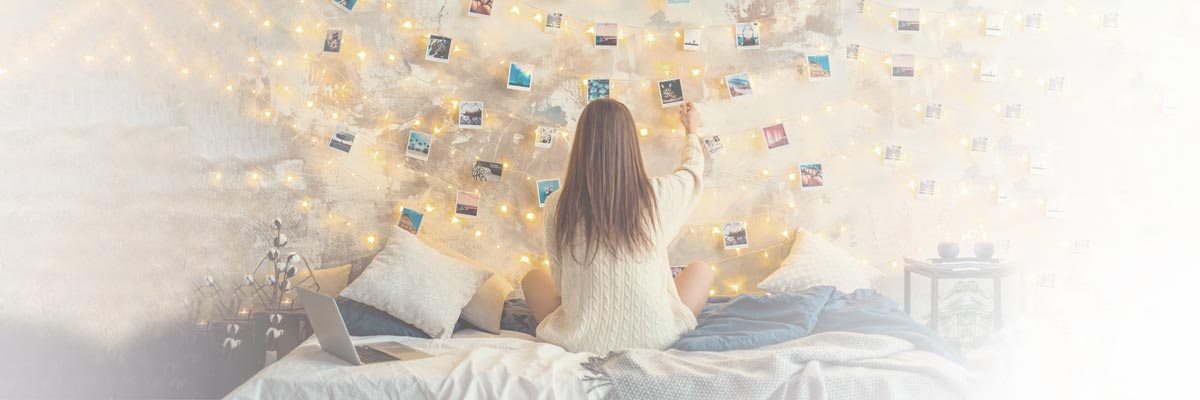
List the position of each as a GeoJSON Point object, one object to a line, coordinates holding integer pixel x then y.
{"type": "Point", "coordinates": [620, 304]}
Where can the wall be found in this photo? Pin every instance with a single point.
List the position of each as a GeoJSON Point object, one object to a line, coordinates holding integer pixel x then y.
{"type": "Point", "coordinates": [152, 143]}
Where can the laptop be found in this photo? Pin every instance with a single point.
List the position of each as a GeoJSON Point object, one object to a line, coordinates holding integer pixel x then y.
{"type": "Point", "coordinates": [334, 338]}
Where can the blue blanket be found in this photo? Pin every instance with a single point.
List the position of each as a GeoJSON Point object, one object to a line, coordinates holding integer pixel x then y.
{"type": "Point", "coordinates": [752, 320]}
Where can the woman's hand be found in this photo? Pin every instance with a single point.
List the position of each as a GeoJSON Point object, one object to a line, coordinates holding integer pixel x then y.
{"type": "Point", "coordinates": [690, 117]}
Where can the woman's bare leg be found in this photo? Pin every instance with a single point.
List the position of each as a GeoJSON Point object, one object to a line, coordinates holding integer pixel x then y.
{"type": "Point", "coordinates": [693, 285]}
{"type": "Point", "coordinates": [538, 286]}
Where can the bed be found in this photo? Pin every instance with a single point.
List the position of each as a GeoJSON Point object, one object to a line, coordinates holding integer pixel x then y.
{"type": "Point", "coordinates": [849, 350]}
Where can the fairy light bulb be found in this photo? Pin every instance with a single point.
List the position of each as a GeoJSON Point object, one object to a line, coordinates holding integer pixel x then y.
{"type": "Point", "coordinates": [299, 29]}
{"type": "Point", "coordinates": [407, 25]}
{"type": "Point", "coordinates": [504, 208]}
{"type": "Point", "coordinates": [649, 37]}
{"type": "Point", "coordinates": [529, 216]}
{"type": "Point", "coordinates": [362, 55]}
{"type": "Point", "coordinates": [478, 233]}
{"type": "Point", "coordinates": [371, 239]}
{"type": "Point", "coordinates": [643, 132]}
{"type": "Point", "coordinates": [524, 259]}
{"type": "Point", "coordinates": [454, 220]}
{"type": "Point", "coordinates": [428, 208]}
{"type": "Point", "coordinates": [279, 62]}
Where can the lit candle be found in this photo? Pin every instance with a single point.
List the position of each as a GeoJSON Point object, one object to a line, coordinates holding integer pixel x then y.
{"type": "Point", "coordinates": [285, 303]}
{"type": "Point", "coordinates": [244, 313]}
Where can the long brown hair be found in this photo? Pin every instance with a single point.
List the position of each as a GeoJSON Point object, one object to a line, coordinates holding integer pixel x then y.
{"type": "Point", "coordinates": [606, 199]}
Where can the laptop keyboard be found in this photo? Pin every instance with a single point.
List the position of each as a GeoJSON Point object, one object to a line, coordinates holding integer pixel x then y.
{"type": "Point", "coordinates": [370, 355]}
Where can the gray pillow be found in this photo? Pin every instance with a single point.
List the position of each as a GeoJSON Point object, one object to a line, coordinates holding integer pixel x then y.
{"type": "Point", "coordinates": [750, 320]}
{"type": "Point", "coordinates": [364, 320]}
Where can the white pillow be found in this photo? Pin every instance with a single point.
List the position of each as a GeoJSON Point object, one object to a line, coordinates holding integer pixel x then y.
{"type": "Point", "coordinates": [417, 284]}
{"type": "Point", "coordinates": [486, 307]}
{"type": "Point", "coordinates": [332, 280]}
{"type": "Point", "coordinates": [814, 261]}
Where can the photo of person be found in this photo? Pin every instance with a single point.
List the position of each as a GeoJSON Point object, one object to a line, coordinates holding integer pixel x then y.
{"type": "Point", "coordinates": [739, 86]}
{"type": "Point", "coordinates": [545, 137]}
{"type": "Point", "coordinates": [908, 20]}
{"type": "Point", "coordinates": [343, 138]}
{"type": "Point", "coordinates": [933, 111]}
{"type": "Point", "coordinates": [467, 204]}
{"type": "Point", "coordinates": [333, 41]}
{"type": "Point", "coordinates": [670, 92]}
{"type": "Point", "coordinates": [598, 88]}
{"type": "Point", "coordinates": [545, 188]}
{"type": "Point", "coordinates": [1012, 111]}
{"type": "Point", "coordinates": [553, 22]}
{"type": "Point", "coordinates": [480, 8]}
{"type": "Point", "coordinates": [811, 177]}
{"type": "Point", "coordinates": [519, 77]}
{"type": "Point", "coordinates": [926, 189]}
{"type": "Point", "coordinates": [891, 154]}
{"type": "Point", "coordinates": [735, 235]}
{"type": "Point", "coordinates": [989, 71]}
{"type": "Point", "coordinates": [775, 136]}
{"type": "Point", "coordinates": [979, 144]}
{"type": "Point", "coordinates": [486, 171]}
{"type": "Point", "coordinates": [904, 66]}
{"type": "Point", "coordinates": [714, 145]}
{"type": "Point", "coordinates": [818, 67]}
{"type": "Point", "coordinates": [691, 39]}
{"type": "Point", "coordinates": [606, 35]}
{"type": "Point", "coordinates": [418, 145]}
{"type": "Point", "coordinates": [747, 35]}
{"type": "Point", "coordinates": [410, 220]}
{"type": "Point", "coordinates": [470, 115]}
{"type": "Point", "coordinates": [345, 5]}
{"type": "Point", "coordinates": [994, 25]}
{"type": "Point", "coordinates": [438, 49]}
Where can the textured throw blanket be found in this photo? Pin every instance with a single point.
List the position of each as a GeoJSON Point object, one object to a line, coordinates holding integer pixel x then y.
{"type": "Point", "coordinates": [832, 365]}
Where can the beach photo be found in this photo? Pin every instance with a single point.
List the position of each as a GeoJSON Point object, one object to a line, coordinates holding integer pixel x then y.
{"type": "Point", "coordinates": [418, 145]}
{"type": "Point", "coordinates": [333, 41]}
{"type": "Point", "coordinates": [734, 233]}
{"type": "Point", "coordinates": [904, 66]}
{"type": "Point", "coordinates": [691, 39]}
{"type": "Point", "coordinates": [747, 35]}
{"type": "Point", "coordinates": [487, 171]}
{"type": "Point", "coordinates": [775, 136]}
{"type": "Point", "coordinates": [818, 67]}
{"type": "Point", "coordinates": [545, 137]}
{"type": "Point", "coordinates": [739, 86]}
{"type": "Point", "coordinates": [670, 92]}
{"type": "Point", "coordinates": [467, 204]}
{"type": "Point", "coordinates": [545, 188]}
{"type": "Point", "coordinates": [606, 35]}
{"type": "Point", "coordinates": [342, 138]}
{"type": "Point", "coordinates": [480, 8]}
{"type": "Point", "coordinates": [410, 220]}
{"type": "Point", "coordinates": [598, 89]}
{"type": "Point", "coordinates": [345, 5]}
{"type": "Point", "coordinates": [811, 177]}
{"type": "Point", "coordinates": [438, 49]}
{"type": "Point", "coordinates": [908, 20]}
{"type": "Point", "coordinates": [470, 115]}
{"type": "Point", "coordinates": [714, 145]}
{"type": "Point", "coordinates": [519, 77]}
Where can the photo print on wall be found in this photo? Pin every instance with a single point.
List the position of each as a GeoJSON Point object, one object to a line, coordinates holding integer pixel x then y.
{"type": "Point", "coordinates": [892, 154]}
{"type": "Point", "coordinates": [739, 86]}
{"type": "Point", "coordinates": [1012, 111]}
{"type": "Point", "coordinates": [410, 220]}
{"type": "Point", "coordinates": [811, 177]}
{"type": "Point", "coordinates": [670, 92]}
{"type": "Point", "coordinates": [735, 235]}
{"type": "Point", "coordinates": [691, 39]}
{"type": "Point", "coordinates": [470, 115]}
{"type": "Point", "coordinates": [979, 144]}
{"type": "Point", "coordinates": [479, 8]}
{"type": "Point", "coordinates": [927, 189]}
{"type": "Point", "coordinates": [333, 41]}
{"type": "Point", "coordinates": [933, 111]}
{"type": "Point", "coordinates": [852, 51]}
{"type": "Point", "coordinates": [994, 25]}
{"type": "Point", "coordinates": [818, 67]}
{"type": "Point", "coordinates": [1056, 84]}
{"type": "Point", "coordinates": [345, 5]}
{"type": "Point", "coordinates": [519, 77]}
{"type": "Point", "coordinates": [714, 145]}
{"type": "Point", "coordinates": [598, 88]}
{"type": "Point", "coordinates": [989, 70]}
{"type": "Point", "coordinates": [438, 49]}
{"type": "Point", "coordinates": [775, 136]}
{"type": "Point", "coordinates": [904, 66]}
{"type": "Point", "coordinates": [545, 137]}
{"type": "Point", "coordinates": [1033, 22]}
{"type": "Point", "coordinates": [467, 204]}
{"type": "Point", "coordinates": [545, 188]}
{"type": "Point", "coordinates": [606, 35]}
{"type": "Point", "coordinates": [343, 138]}
{"type": "Point", "coordinates": [486, 171]}
{"type": "Point", "coordinates": [747, 35]}
{"type": "Point", "coordinates": [553, 22]}
{"type": "Point", "coordinates": [908, 20]}
{"type": "Point", "coordinates": [418, 145]}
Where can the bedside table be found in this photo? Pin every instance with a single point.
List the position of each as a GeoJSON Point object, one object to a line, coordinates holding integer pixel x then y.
{"type": "Point", "coordinates": [958, 270]}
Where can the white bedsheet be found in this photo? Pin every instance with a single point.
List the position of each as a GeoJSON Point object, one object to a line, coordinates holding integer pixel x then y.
{"type": "Point", "coordinates": [471, 365]}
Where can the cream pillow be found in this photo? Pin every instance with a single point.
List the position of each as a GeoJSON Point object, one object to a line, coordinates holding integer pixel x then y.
{"type": "Point", "coordinates": [486, 307]}
{"type": "Point", "coordinates": [332, 280]}
{"type": "Point", "coordinates": [814, 261]}
{"type": "Point", "coordinates": [417, 284]}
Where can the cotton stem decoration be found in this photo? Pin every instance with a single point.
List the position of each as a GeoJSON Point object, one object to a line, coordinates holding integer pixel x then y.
{"type": "Point", "coordinates": [274, 292]}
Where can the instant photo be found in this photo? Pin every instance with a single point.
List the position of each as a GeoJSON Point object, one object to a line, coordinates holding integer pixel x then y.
{"type": "Point", "coordinates": [989, 71]}
{"type": "Point", "coordinates": [1033, 22]}
{"type": "Point", "coordinates": [904, 66]}
{"type": "Point", "coordinates": [892, 154]}
{"type": "Point", "coordinates": [438, 49]}
{"type": "Point", "coordinates": [739, 86]}
{"type": "Point", "coordinates": [333, 41]}
{"type": "Point", "coordinates": [470, 115]}
{"type": "Point", "coordinates": [691, 39]}
{"type": "Point", "coordinates": [486, 171]}
{"type": "Point", "coordinates": [979, 144]}
{"type": "Point", "coordinates": [933, 111]}
{"type": "Point", "coordinates": [467, 204]}
{"type": "Point", "coordinates": [734, 233]}
{"type": "Point", "coordinates": [908, 20]}
{"type": "Point", "coordinates": [410, 220]}
{"type": "Point", "coordinates": [811, 177]}
{"type": "Point", "coordinates": [994, 25]}
{"type": "Point", "coordinates": [714, 145]}
{"type": "Point", "coordinates": [598, 89]}
{"type": "Point", "coordinates": [1038, 164]}
{"type": "Point", "coordinates": [747, 35]}
{"type": "Point", "coordinates": [553, 22]}
{"type": "Point", "coordinates": [606, 35]}
{"type": "Point", "coordinates": [545, 188]}
{"type": "Point", "coordinates": [418, 145]}
{"type": "Point", "coordinates": [519, 77]}
{"type": "Point", "coordinates": [852, 51]}
{"type": "Point", "coordinates": [343, 138]}
{"type": "Point", "coordinates": [818, 67]}
{"type": "Point", "coordinates": [1056, 84]}
{"type": "Point", "coordinates": [545, 137]}
{"type": "Point", "coordinates": [345, 5]}
{"type": "Point", "coordinates": [1012, 111]}
{"type": "Point", "coordinates": [775, 136]}
{"type": "Point", "coordinates": [480, 8]}
{"type": "Point", "coordinates": [927, 189]}
{"type": "Point", "coordinates": [670, 92]}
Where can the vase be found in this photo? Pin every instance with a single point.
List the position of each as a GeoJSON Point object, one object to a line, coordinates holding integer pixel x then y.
{"type": "Point", "coordinates": [947, 250]}
{"type": "Point", "coordinates": [985, 250]}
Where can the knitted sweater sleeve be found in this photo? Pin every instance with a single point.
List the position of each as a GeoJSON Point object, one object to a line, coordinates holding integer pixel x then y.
{"type": "Point", "coordinates": [680, 192]}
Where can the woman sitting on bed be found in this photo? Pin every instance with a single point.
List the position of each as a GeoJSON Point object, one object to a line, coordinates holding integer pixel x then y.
{"type": "Point", "coordinates": [609, 286]}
